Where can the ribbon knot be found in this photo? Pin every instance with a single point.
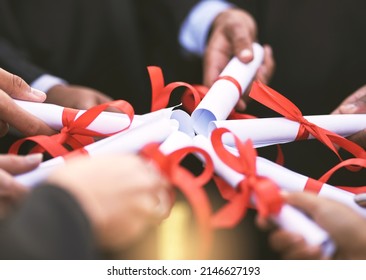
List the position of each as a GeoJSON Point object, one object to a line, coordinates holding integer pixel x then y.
{"type": "Point", "coordinates": [252, 190]}
{"type": "Point", "coordinates": [280, 104]}
{"type": "Point", "coordinates": [75, 133]}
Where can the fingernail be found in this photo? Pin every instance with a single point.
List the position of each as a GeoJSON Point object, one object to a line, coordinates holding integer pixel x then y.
{"type": "Point", "coordinates": [246, 54]}
{"type": "Point", "coordinates": [34, 158]}
{"type": "Point", "coordinates": [348, 108]}
{"type": "Point", "coordinates": [360, 199]}
{"type": "Point", "coordinates": [38, 93]}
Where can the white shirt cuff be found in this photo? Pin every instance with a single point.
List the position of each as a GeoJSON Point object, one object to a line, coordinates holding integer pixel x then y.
{"type": "Point", "coordinates": [195, 28]}
{"type": "Point", "coordinates": [46, 81]}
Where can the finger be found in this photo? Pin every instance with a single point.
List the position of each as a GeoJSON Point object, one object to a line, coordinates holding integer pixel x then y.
{"type": "Point", "coordinates": [242, 44]}
{"type": "Point", "coordinates": [19, 164]}
{"type": "Point", "coordinates": [359, 138]}
{"type": "Point", "coordinates": [23, 121]}
{"type": "Point", "coordinates": [9, 187]}
{"type": "Point", "coordinates": [304, 253]}
{"type": "Point", "coordinates": [308, 202]}
{"type": "Point", "coordinates": [241, 39]}
{"type": "Point", "coordinates": [282, 240]}
{"type": "Point", "coordinates": [17, 88]}
{"type": "Point", "coordinates": [267, 68]}
{"type": "Point", "coordinates": [4, 128]}
{"type": "Point", "coordinates": [165, 204]}
{"type": "Point", "coordinates": [265, 223]}
{"type": "Point", "coordinates": [353, 103]}
{"type": "Point", "coordinates": [102, 98]}
{"type": "Point", "coordinates": [241, 105]}
{"type": "Point", "coordinates": [217, 56]}
{"type": "Point", "coordinates": [360, 199]}
{"type": "Point", "coordinates": [154, 206]}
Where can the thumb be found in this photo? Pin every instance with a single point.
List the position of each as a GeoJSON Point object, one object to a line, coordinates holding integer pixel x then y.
{"type": "Point", "coordinates": [17, 88]}
{"type": "Point", "coordinates": [14, 164]}
{"type": "Point", "coordinates": [307, 202]}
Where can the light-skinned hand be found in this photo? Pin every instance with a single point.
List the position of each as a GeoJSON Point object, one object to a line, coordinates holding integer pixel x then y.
{"type": "Point", "coordinates": [121, 195]}
{"type": "Point", "coordinates": [11, 191]}
{"type": "Point", "coordinates": [14, 87]}
{"type": "Point", "coordinates": [355, 104]}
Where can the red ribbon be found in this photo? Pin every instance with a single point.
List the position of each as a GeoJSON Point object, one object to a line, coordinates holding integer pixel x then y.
{"type": "Point", "coordinates": [285, 107]}
{"type": "Point", "coordinates": [315, 186]}
{"type": "Point", "coordinates": [74, 132]}
{"type": "Point", "coordinates": [161, 93]}
{"type": "Point", "coordinates": [191, 97]}
{"type": "Point", "coordinates": [234, 82]}
{"type": "Point", "coordinates": [189, 185]}
{"type": "Point", "coordinates": [263, 190]}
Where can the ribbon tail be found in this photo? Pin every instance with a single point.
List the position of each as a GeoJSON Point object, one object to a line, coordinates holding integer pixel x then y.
{"type": "Point", "coordinates": [232, 213]}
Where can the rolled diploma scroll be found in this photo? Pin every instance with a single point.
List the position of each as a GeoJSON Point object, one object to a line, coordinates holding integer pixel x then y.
{"type": "Point", "coordinates": [289, 217]}
{"type": "Point", "coordinates": [223, 95]}
{"type": "Point", "coordinates": [106, 122]}
{"type": "Point", "coordinates": [127, 141]}
{"type": "Point", "coordinates": [270, 131]}
{"type": "Point", "coordinates": [176, 141]}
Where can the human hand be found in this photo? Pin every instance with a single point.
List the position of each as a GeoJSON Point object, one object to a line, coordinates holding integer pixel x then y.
{"type": "Point", "coordinates": [77, 97]}
{"type": "Point", "coordinates": [10, 190]}
{"type": "Point", "coordinates": [12, 86]}
{"type": "Point", "coordinates": [355, 104]}
{"type": "Point", "coordinates": [121, 195]}
{"type": "Point", "coordinates": [233, 33]}
{"type": "Point", "coordinates": [345, 227]}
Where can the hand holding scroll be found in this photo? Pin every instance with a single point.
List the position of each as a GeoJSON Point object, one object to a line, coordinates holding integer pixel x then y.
{"type": "Point", "coordinates": [12, 86]}
{"type": "Point", "coordinates": [355, 104]}
{"type": "Point", "coordinates": [233, 33]}
{"type": "Point", "coordinates": [122, 202]}
{"type": "Point", "coordinates": [345, 226]}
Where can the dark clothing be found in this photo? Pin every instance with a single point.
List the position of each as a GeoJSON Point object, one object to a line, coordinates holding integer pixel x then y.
{"type": "Point", "coordinates": [48, 225]}
{"type": "Point", "coordinates": [319, 48]}
{"type": "Point", "coordinates": [103, 44]}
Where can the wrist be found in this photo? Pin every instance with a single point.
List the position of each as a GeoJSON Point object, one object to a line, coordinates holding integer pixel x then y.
{"type": "Point", "coordinates": [46, 82]}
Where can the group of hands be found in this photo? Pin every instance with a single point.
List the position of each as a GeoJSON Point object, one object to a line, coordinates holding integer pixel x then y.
{"type": "Point", "coordinates": [131, 195]}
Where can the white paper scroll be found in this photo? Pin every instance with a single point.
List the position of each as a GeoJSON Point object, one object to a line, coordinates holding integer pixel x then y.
{"type": "Point", "coordinates": [270, 131]}
{"type": "Point", "coordinates": [128, 141]}
{"type": "Point", "coordinates": [176, 141]}
{"type": "Point", "coordinates": [289, 218]}
{"type": "Point", "coordinates": [106, 122]}
{"type": "Point", "coordinates": [223, 95]}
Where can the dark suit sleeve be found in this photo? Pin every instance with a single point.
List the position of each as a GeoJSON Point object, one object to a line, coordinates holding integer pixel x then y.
{"type": "Point", "coordinates": [14, 60]}
{"type": "Point", "coordinates": [13, 44]}
{"type": "Point", "coordinates": [48, 225]}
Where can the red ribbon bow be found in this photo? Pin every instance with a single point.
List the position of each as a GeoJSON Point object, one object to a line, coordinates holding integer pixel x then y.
{"type": "Point", "coordinates": [189, 185]}
{"type": "Point", "coordinates": [264, 191]}
{"type": "Point", "coordinates": [74, 133]}
{"type": "Point", "coordinates": [285, 107]}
